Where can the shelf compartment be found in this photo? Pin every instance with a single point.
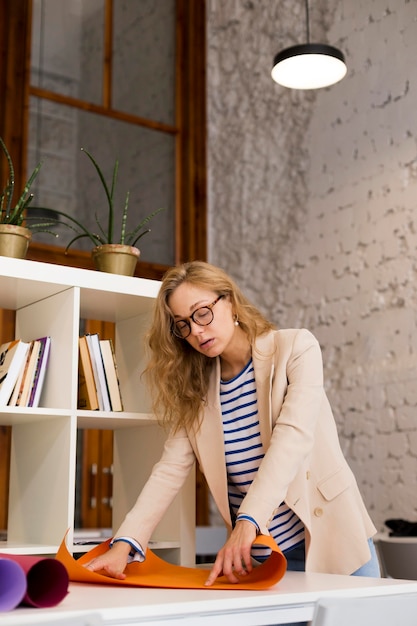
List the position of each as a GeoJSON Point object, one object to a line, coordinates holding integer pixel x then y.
{"type": "Point", "coordinates": [42, 481]}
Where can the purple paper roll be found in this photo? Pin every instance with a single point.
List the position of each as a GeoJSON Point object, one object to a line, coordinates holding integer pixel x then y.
{"type": "Point", "coordinates": [46, 579]}
{"type": "Point", "coordinates": [12, 584]}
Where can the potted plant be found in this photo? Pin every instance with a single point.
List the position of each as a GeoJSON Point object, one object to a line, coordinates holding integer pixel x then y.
{"type": "Point", "coordinates": [114, 250]}
{"type": "Point", "coordinates": [17, 224]}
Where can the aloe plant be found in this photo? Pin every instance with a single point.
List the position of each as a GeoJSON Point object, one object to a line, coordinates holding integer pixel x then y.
{"type": "Point", "coordinates": [107, 235]}
{"type": "Point", "coordinates": [19, 214]}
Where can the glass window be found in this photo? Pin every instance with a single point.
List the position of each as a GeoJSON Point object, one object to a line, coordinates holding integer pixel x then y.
{"type": "Point", "coordinates": [68, 47]}
{"type": "Point", "coordinates": [73, 58]}
{"type": "Point", "coordinates": [144, 50]}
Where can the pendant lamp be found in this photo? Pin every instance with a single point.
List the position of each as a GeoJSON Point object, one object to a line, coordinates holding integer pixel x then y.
{"type": "Point", "coordinates": [309, 65]}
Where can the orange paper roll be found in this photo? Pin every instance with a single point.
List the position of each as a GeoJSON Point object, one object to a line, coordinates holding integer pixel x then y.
{"type": "Point", "coordinates": [156, 572]}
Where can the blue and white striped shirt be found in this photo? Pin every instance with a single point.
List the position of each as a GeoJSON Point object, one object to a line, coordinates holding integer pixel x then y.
{"type": "Point", "coordinates": [244, 453]}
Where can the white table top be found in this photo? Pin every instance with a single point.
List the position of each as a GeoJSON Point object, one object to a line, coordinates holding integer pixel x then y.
{"type": "Point", "coordinates": [292, 599]}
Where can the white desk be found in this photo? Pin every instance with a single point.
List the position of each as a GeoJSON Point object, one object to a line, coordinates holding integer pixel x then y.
{"type": "Point", "coordinates": [292, 599]}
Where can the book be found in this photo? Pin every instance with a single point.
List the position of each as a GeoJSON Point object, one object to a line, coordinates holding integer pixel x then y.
{"type": "Point", "coordinates": [87, 392]}
{"type": "Point", "coordinates": [26, 386]}
{"type": "Point", "coordinates": [95, 371]}
{"type": "Point", "coordinates": [12, 356]}
{"type": "Point", "coordinates": [17, 393]}
{"type": "Point", "coordinates": [16, 390]}
{"type": "Point", "coordinates": [110, 368]}
{"type": "Point", "coordinates": [93, 342]}
{"type": "Point", "coordinates": [40, 371]}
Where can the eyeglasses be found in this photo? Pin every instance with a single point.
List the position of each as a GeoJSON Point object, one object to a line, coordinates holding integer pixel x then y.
{"type": "Point", "coordinates": [202, 316]}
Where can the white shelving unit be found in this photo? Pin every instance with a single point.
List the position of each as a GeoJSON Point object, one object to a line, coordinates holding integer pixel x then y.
{"type": "Point", "coordinates": [51, 300]}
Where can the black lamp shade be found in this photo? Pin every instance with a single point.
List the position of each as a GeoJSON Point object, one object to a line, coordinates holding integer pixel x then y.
{"type": "Point", "coordinates": [309, 66]}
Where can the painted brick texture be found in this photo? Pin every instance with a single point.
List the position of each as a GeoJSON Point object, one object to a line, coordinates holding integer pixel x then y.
{"type": "Point", "coordinates": [312, 208]}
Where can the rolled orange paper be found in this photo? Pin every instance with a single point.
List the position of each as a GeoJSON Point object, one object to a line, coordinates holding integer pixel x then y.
{"type": "Point", "coordinates": [156, 572]}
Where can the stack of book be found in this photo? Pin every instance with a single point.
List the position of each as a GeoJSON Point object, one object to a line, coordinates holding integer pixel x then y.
{"type": "Point", "coordinates": [98, 381]}
{"type": "Point", "coordinates": [22, 371]}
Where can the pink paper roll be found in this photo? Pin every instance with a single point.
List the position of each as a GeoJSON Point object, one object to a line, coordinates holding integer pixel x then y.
{"type": "Point", "coordinates": [46, 579]}
{"type": "Point", "coordinates": [12, 584]}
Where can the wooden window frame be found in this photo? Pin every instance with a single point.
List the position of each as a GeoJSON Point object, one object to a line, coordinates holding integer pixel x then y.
{"type": "Point", "coordinates": [191, 195]}
{"type": "Point", "coordinates": [189, 129]}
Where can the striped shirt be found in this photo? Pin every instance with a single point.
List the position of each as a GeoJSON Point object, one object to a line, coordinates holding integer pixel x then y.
{"type": "Point", "coordinates": [244, 453]}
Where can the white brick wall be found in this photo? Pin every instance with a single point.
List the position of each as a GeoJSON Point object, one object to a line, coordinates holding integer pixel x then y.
{"type": "Point", "coordinates": [313, 209]}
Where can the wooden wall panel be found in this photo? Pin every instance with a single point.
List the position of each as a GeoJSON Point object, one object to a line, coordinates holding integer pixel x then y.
{"type": "Point", "coordinates": [7, 333]}
{"type": "Point", "coordinates": [96, 471]}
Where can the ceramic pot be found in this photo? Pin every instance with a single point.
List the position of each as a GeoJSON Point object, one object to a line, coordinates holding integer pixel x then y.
{"type": "Point", "coordinates": [115, 258]}
{"type": "Point", "coordinates": [14, 240]}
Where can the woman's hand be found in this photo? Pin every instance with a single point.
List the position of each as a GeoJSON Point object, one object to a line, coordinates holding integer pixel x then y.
{"type": "Point", "coordinates": [112, 562]}
{"type": "Point", "coordinates": [234, 558]}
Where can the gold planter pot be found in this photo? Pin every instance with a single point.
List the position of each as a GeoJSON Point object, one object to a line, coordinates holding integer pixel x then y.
{"type": "Point", "coordinates": [14, 240]}
{"type": "Point", "coordinates": [116, 258]}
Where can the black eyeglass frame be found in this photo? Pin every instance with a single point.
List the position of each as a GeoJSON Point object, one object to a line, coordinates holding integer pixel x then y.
{"type": "Point", "coordinates": [187, 320]}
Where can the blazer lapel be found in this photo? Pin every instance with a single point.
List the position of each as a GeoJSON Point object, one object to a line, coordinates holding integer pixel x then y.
{"type": "Point", "coordinates": [209, 440]}
{"type": "Point", "coordinates": [209, 443]}
{"type": "Point", "coordinates": [263, 357]}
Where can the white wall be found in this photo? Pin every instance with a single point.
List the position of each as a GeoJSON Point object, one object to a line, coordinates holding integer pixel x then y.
{"type": "Point", "coordinates": [311, 200]}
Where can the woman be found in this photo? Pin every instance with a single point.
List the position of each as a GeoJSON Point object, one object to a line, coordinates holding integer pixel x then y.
{"type": "Point", "coordinates": [248, 403]}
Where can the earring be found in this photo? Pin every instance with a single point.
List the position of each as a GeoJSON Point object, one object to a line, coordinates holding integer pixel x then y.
{"type": "Point", "coordinates": [236, 321]}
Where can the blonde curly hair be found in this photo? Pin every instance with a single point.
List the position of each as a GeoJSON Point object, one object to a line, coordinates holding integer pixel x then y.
{"type": "Point", "coordinates": [178, 375]}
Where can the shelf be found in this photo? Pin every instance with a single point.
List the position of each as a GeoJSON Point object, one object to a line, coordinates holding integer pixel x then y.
{"type": "Point", "coordinates": [80, 547]}
{"type": "Point", "coordinates": [18, 548]}
{"type": "Point", "coordinates": [51, 300]}
{"type": "Point", "coordinates": [13, 416]}
{"type": "Point", "coordinates": [84, 540]}
{"type": "Point", "coordinates": [112, 421]}
{"type": "Point", "coordinates": [108, 297]}
{"type": "Point", "coordinates": [100, 420]}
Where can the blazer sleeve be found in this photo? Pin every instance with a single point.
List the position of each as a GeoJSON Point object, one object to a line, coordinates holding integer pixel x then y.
{"type": "Point", "coordinates": [165, 481]}
{"type": "Point", "coordinates": [294, 418]}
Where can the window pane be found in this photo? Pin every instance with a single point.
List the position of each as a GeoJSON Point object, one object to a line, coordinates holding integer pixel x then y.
{"type": "Point", "coordinates": [67, 47]}
{"type": "Point", "coordinates": [144, 59]}
{"type": "Point", "coordinates": [69, 182]}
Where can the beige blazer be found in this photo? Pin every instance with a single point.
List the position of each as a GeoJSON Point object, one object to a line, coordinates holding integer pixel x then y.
{"type": "Point", "coordinates": [303, 462]}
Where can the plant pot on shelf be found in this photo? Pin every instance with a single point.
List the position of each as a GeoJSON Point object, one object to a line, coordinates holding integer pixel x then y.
{"type": "Point", "coordinates": [14, 240]}
{"type": "Point", "coordinates": [116, 258]}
